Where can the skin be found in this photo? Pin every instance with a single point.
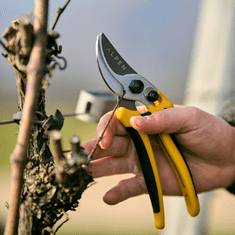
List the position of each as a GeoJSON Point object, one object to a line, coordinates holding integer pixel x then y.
{"type": "Point", "coordinates": [206, 141]}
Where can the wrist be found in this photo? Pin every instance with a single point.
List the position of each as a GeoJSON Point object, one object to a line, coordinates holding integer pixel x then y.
{"type": "Point", "coordinates": [228, 114]}
{"type": "Point", "coordinates": [231, 187]}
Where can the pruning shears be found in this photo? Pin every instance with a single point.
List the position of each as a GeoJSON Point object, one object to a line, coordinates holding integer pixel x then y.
{"type": "Point", "coordinates": [131, 87]}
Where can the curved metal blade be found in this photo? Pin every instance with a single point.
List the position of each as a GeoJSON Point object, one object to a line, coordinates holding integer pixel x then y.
{"type": "Point", "coordinates": [117, 73]}
{"type": "Point", "coordinates": [107, 55]}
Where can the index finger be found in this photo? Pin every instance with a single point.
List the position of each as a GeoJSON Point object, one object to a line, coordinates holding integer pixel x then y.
{"type": "Point", "coordinates": [118, 148]}
{"type": "Point", "coordinates": [115, 128]}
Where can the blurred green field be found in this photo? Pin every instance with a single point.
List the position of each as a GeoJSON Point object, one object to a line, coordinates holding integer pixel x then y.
{"type": "Point", "coordinates": [92, 216]}
{"type": "Point", "coordinates": [72, 126]}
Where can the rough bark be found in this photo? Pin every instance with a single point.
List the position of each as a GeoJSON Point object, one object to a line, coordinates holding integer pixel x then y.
{"type": "Point", "coordinates": [38, 197]}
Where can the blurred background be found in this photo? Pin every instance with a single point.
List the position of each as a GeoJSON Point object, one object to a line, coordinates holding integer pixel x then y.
{"type": "Point", "coordinates": [157, 39]}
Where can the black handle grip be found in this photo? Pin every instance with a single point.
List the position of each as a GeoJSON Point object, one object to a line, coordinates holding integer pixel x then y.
{"type": "Point", "coordinates": [146, 168]}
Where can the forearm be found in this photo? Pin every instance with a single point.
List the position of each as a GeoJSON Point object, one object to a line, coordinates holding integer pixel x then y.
{"type": "Point", "coordinates": [228, 114]}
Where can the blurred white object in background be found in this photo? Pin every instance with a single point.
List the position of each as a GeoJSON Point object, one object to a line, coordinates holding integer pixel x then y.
{"type": "Point", "coordinates": [93, 104]}
{"type": "Point", "coordinates": [210, 84]}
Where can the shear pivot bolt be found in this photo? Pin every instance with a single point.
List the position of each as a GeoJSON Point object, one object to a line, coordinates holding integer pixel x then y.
{"type": "Point", "coordinates": [136, 86]}
{"type": "Point", "coordinates": [152, 96]}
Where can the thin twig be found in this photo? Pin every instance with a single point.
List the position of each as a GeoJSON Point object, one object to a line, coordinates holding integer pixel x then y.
{"type": "Point", "coordinates": [58, 152]}
{"type": "Point", "coordinates": [67, 219]}
{"type": "Point", "coordinates": [59, 12]}
{"type": "Point", "coordinates": [35, 72]}
{"type": "Point", "coordinates": [7, 205]}
{"type": "Point", "coordinates": [3, 45]}
{"type": "Point", "coordinates": [105, 128]}
{"type": "Point", "coordinates": [61, 176]}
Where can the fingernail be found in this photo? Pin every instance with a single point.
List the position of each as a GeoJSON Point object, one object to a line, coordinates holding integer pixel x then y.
{"type": "Point", "coordinates": [103, 142]}
{"type": "Point", "coordinates": [111, 197]}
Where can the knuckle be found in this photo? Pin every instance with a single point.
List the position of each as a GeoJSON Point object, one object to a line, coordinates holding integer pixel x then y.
{"type": "Point", "coordinates": [193, 119]}
{"type": "Point", "coordinates": [102, 123]}
{"type": "Point", "coordinates": [162, 120]}
{"type": "Point", "coordinates": [195, 113]}
{"type": "Point", "coordinates": [104, 118]}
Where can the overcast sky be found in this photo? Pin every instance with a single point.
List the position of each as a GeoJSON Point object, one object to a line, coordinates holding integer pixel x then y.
{"type": "Point", "coordinates": [155, 37]}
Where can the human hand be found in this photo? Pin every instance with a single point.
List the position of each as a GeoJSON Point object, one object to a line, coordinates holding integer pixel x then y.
{"type": "Point", "coordinates": [207, 143]}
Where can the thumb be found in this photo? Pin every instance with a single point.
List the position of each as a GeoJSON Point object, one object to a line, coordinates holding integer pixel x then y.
{"type": "Point", "coordinates": [176, 119]}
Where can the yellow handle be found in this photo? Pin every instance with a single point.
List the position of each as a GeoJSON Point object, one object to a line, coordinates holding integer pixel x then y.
{"type": "Point", "coordinates": [148, 164]}
{"type": "Point", "coordinates": [182, 172]}
{"type": "Point", "coordinates": [177, 161]}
